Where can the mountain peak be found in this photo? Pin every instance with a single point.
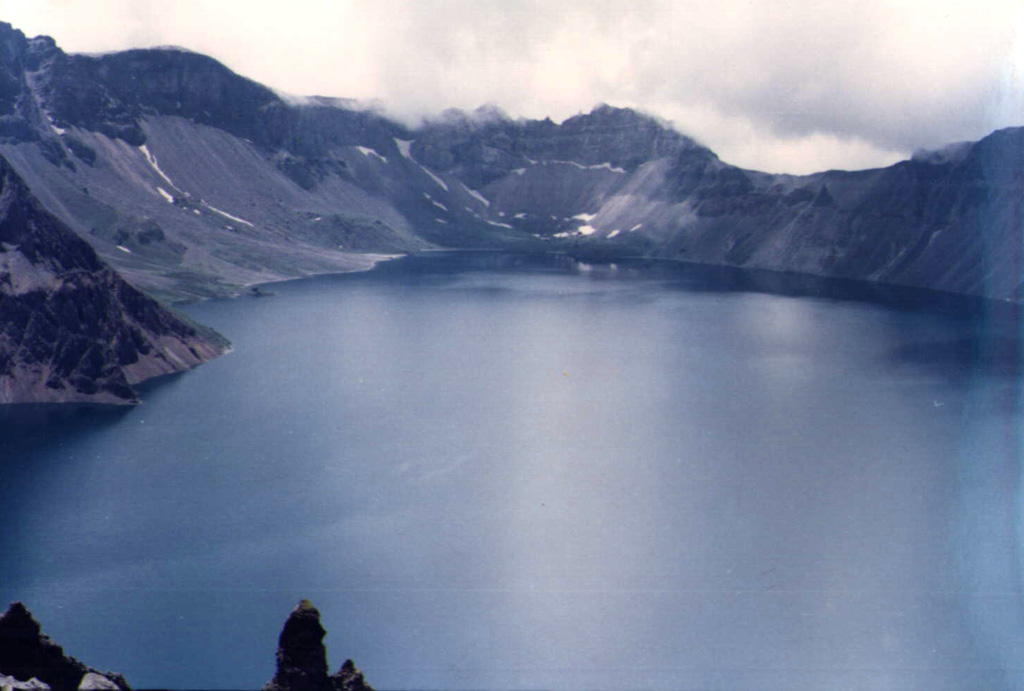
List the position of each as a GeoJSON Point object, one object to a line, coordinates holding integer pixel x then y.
{"type": "Point", "coordinates": [7, 29]}
{"type": "Point", "coordinates": [111, 93]}
{"type": "Point", "coordinates": [950, 153]}
{"type": "Point", "coordinates": [607, 110]}
{"type": "Point", "coordinates": [481, 116]}
{"type": "Point", "coordinates": [490, 112]}
{"type": "Point", "coordinates": [608, 115]}
{"type": "Point", "coordinates": [171, 48]}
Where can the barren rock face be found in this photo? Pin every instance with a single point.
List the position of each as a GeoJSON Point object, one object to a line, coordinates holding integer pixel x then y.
{"type": "Point", "coordinates": [70, 328]}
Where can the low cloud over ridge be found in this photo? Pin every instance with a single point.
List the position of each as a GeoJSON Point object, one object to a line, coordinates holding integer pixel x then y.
{"type": "Point", "coordinates": [779, 86]}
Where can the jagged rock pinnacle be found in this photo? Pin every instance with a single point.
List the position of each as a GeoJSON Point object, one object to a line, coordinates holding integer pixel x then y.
{"type": "Point", "coordinates": [348, 678]}
{"type": "Point", "coordinates": [302, 658]}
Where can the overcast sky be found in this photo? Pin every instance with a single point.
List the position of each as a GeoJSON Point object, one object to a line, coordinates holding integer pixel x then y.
{"type": "Point", "coordinates": [779, 85]}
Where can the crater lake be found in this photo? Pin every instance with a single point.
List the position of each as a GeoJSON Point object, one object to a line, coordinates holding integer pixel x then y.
{"type": "Point", "coordinates": [498, 472]}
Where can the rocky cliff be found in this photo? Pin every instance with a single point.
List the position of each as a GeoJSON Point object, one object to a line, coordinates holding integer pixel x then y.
{"type": "Point", "coordinates": [30, 660]}
{"type": "Point", "coordinates": [70, 328]}
{"type": "Point", "coordinates": [615, 182]}
{"type": "Point", "coordinates": [194, 181]}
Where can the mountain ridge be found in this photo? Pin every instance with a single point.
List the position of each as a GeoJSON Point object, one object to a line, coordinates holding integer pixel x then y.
{"type": "Point", "coordinates": [194, 182]}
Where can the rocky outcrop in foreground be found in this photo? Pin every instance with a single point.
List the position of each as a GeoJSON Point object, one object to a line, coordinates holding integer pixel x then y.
{"type": "Point", "coordinates": [302, 658]}
{"type": "Point", "coordinates": [30, 660]}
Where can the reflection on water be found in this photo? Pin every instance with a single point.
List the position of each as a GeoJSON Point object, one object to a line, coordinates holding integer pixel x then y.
{"type": "Point", "coordinates": [499, 471]}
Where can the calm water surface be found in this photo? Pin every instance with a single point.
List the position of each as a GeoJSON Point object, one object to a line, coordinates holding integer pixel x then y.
{"type": "Point", "coordinates": [498, 472]}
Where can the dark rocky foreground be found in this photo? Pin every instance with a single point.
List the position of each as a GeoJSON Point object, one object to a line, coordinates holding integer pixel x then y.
{"type": "Point", "coordinates": [302, 658]}
{"type": "Point", "coordinates": [30, 661]}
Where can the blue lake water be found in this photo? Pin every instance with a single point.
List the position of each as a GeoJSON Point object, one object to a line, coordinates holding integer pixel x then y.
{"type": "Point", "coordinates": [513, 472]}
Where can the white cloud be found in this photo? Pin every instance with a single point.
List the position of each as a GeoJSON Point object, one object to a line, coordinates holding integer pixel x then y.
{"type": "Point", "coordinates": [773, 84]}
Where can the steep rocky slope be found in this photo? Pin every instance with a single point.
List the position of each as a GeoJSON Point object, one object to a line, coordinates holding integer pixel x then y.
{"type": "Point", "coordinates": [70, 328]}
{"type": "Point", "coordinates": [615, 183]}
{"type": "Point", "coordinates": [194, 181]}
{"type": "Point", "coordinates": [952, 225]}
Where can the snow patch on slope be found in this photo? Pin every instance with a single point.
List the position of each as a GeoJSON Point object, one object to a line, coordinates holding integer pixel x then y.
{"type": "Point", "coordinates": [225, 214]}
{"type": "Point", "coordinates": [436, 179]}
{"type": "Point", "coordinates": [151, 159]}
{"type": "Point", "coordinates": [435, 202]}
{"type": "Point", "coordinates": [599, 166]}
{"type": "Point", "coordinates": [59, 131]}
{"type": "Point", "coordinates": [607, 166]}
{"type": "Point", "coordinates": [367, 151]}
{"type": "Point", "coordinates": [166, 195]}
{"type": "Point", "coordinates": [476, 195]}
{"type": "Point", "coordinates": [404, 147]}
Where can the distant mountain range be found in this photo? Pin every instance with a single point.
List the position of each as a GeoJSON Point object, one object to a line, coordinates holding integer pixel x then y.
{"type": "Point", "coordinates": [192, 181]}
